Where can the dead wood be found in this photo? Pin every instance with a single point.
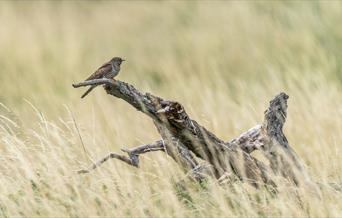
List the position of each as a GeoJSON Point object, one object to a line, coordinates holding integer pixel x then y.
{"type": "Point", "coordinates": [132, 157]}
{"type": "Point", "coordinates": [182, 138]}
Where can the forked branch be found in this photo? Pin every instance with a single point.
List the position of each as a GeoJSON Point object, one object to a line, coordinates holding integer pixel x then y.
{"type": "Point", "coordinates": [183, 137]}
{"type": "Point", "coordinates": [132, 158]}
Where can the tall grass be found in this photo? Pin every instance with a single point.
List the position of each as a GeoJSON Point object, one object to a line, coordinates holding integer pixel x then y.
{"type": "Point", "coordinates": [223, 60]}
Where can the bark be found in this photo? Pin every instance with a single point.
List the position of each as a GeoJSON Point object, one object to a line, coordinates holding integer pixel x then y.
{"type": "Point", "coordinates": [183, 138]}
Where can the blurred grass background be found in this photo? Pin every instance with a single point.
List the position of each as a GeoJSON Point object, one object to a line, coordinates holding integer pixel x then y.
{"type": "Point", "coordinates": [222, 60]}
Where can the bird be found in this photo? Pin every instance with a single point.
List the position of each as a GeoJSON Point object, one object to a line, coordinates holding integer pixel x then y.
{"type": "Point", "coordinates": [108, 70]}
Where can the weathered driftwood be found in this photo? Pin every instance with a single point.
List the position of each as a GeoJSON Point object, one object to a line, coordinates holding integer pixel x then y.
{"type": "Point", "coordinates": [182, 138]}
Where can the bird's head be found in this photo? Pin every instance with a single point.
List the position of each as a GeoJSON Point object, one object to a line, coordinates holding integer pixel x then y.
{"type": "Point", "coordinates": [117, 61]}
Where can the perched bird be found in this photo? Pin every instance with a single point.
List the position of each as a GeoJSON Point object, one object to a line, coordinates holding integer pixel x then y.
{"type": "Point", "coordinates": [108, 70]}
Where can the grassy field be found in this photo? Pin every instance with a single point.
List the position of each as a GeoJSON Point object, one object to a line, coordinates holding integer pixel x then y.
{"type": "Point", "coordinates": [223, 60]}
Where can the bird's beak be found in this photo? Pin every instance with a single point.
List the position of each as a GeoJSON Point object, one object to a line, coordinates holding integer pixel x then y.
{"type": "Point", "coordinates": [123, 60]}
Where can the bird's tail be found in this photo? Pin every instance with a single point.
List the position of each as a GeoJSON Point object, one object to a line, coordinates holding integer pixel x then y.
{"type": "Point", "coordinates": [87, 92]}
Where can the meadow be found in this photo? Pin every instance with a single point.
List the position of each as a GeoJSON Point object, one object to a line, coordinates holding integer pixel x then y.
{"type": "Point", "coordinates": [222, 60]}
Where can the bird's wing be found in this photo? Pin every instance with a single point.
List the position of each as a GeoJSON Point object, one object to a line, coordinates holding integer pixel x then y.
{"type": "Point", "coordinates": [99, 73]}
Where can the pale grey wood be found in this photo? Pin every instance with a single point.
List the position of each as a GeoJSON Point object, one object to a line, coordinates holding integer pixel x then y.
{"type": "Point", "coordinates": [182, 137]}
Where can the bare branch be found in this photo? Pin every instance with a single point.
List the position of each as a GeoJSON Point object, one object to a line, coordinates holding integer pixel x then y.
{"type": "Point", "coordinates": [156, 146]}
{"type": "Point", "coordinates": [183, 136]}
{"type": "Point", "coordinates": [133, 155]}
{"type": "Point", "coordinates": [93, 82]}
{"type": "Point", "coordinates": [195, 170]}
{"type": "Point", "coordinates": [109, 156]}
